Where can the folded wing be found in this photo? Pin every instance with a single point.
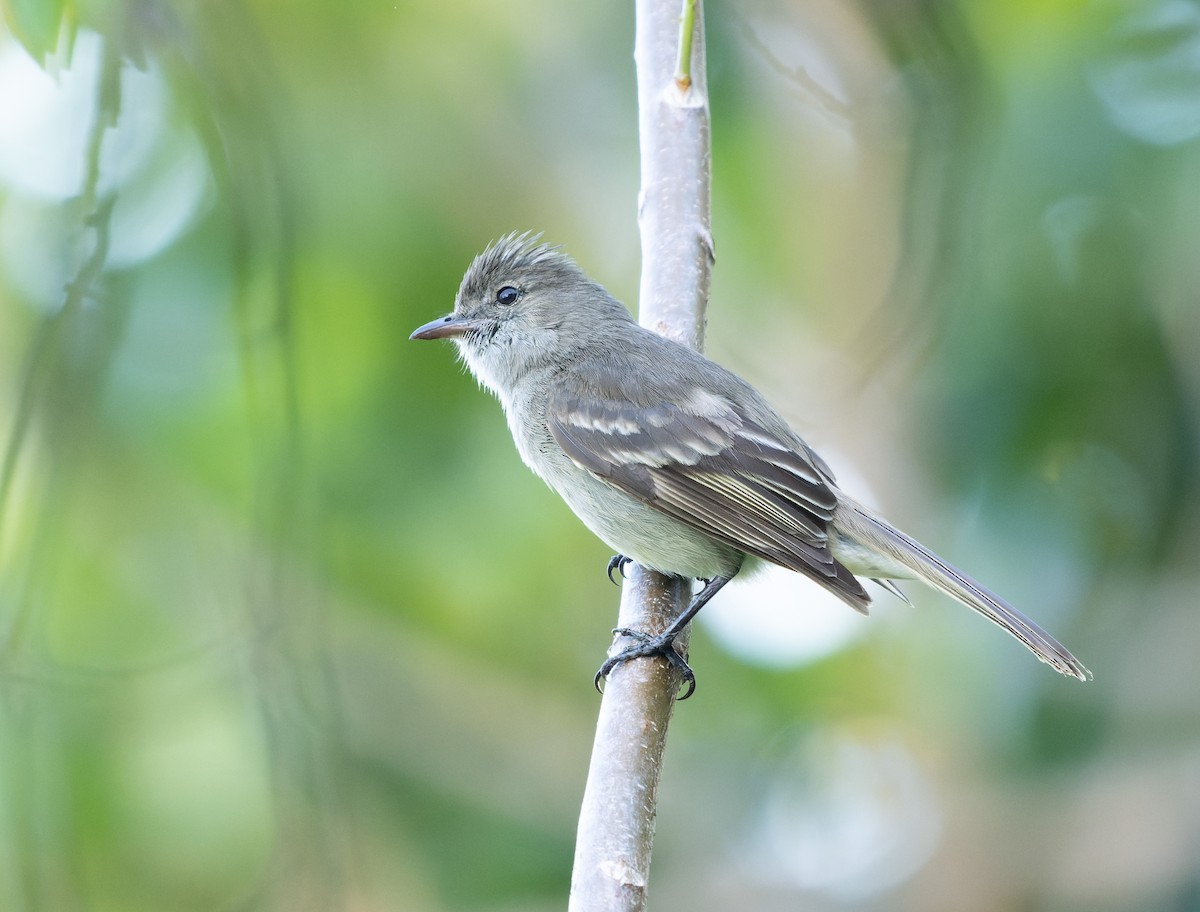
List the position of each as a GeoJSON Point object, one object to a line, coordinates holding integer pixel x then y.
{"type": "Point", "coordinates": [699, 460]}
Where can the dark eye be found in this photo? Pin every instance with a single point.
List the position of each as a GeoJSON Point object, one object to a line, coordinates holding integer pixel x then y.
{"type": "Point", "coordinates": [508, 295]}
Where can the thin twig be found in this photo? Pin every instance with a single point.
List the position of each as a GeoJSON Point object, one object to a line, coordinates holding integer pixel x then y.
{"type": "Point", "coordinates": [683, 63]}
{"type": "Point", "coordinates": [42, 358]}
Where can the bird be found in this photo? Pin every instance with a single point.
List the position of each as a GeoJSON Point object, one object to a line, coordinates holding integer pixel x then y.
{"type": "Point", "coordinates": [675, 462]}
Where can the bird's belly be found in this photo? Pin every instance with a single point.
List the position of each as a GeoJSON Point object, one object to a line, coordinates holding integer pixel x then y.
{"type": "Point", "coordinates": [627, 525]}
{"type": "Point", "coordinates": [653, 539]}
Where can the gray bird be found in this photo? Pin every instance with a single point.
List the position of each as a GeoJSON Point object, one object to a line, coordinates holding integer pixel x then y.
{"type": "Point", "coordinates": [673, 461]}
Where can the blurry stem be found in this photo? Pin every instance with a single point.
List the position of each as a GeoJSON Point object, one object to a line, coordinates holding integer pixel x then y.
{"type": "Point", "coordinates": [797, 75]}
{"type": "Point", "coordinates": [42, 365]}
{"type": "Point", "coordinates": [42, 358]}
{"type": "Point", "coordinates": [616, 822]}
{"type": "Point", "coordinates": [240, 107]}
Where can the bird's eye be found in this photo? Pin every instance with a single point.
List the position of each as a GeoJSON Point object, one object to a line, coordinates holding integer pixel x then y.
{"type": "Point", "coordinates": [508, 295]}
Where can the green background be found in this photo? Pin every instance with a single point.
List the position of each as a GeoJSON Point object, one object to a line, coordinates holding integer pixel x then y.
{"type": "Point", "coordinates": [284, 622]}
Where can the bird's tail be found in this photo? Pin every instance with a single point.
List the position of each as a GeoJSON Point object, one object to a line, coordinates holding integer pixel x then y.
{"type": "Point", "coordinates": [873, 534]}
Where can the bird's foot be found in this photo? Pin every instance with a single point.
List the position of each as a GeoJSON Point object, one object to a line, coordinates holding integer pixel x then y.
{"type": "Point", "coordinates": [618, 562]}
{"type": "Point", "coordinates": [646, 644]}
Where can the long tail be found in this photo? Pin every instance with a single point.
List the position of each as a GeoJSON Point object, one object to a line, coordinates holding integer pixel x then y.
{"type": "Point", "coordinates": [868, 533]}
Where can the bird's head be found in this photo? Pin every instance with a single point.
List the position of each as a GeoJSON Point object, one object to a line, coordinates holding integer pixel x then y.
{"type": "Point", "coordinates": [522, 305]}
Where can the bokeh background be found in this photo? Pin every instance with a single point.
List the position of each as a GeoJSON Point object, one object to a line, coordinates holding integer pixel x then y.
{"type": "Point", "coordinates": [284, 623]}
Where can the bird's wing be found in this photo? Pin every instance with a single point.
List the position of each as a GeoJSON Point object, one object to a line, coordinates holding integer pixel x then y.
{"type": "Point", "coordinates": [702, 461]}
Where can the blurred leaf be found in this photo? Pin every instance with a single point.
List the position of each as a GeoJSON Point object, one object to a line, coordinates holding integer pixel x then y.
{"type": "Point", "coordinates": [37, 24]}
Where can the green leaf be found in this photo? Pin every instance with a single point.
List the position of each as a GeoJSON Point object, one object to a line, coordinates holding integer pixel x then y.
{"type": "Point", "coordinates": [36, 24]}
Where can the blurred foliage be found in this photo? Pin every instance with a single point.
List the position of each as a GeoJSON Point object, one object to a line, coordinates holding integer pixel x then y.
{"type": "Point", "coordinates": [284, 623]}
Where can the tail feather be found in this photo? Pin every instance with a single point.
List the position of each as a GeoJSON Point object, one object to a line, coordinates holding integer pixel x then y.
{"type": "Point", "coordinates": [872, 534]}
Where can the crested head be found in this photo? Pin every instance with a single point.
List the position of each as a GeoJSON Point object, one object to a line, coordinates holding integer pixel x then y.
{"type": "Point", "coordinates": [524, 306]}
{"type": "Point", "coordinates": [517, 254]}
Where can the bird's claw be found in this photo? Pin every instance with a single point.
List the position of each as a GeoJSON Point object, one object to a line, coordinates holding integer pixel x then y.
{"type": "Point", "coordinates": [647, 645]}
{"type": "Point", "coordinates": [618, 562]}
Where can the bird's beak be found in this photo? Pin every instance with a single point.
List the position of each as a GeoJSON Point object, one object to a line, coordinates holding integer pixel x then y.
{"type": "Point", "coordinates": [446, 327]}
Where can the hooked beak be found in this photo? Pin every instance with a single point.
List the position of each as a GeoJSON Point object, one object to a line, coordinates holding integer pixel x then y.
{"type": "Point", "coordinates": [446, 327]}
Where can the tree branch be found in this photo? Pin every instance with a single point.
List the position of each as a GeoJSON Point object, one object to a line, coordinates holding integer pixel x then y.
{"type": "Point", "coordinates": [616, 822]}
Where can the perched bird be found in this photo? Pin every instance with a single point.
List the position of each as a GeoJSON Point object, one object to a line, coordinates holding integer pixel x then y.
{"type": "Point", "coordinates": [673, 461]}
